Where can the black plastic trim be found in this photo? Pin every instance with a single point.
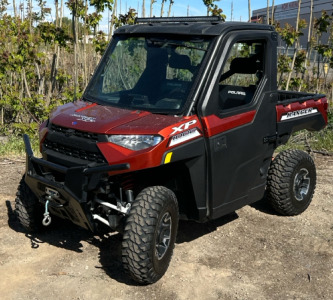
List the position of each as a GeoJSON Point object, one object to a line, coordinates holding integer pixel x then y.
{"type": "Point", "coordinates": [85, 169]}
{"type": "Point", "coordinates": [193, 28]}
{"type": "Point", "coordinates": [73, 187]}
{"type": "Point", "coordinates": [287, 97]}
{"type": "Point", "coordinates": [179, 19]}
{"type": "Point", "coordinates": [105, 169]}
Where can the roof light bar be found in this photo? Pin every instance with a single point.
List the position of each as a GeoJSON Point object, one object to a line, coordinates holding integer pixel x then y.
{"type": "Point", "coordinates": [178, 19]}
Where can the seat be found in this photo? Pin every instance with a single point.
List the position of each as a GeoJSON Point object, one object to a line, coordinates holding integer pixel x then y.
{"type": "Point", "coordinates": [233, 96]}
{"type": "Point", "coordinates": [181, 61]}
{"type": "Point", "coordinates": [243, 65]}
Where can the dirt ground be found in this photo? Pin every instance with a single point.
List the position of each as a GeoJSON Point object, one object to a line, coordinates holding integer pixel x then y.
{"type": "Point", "coordinates": [251, 254]}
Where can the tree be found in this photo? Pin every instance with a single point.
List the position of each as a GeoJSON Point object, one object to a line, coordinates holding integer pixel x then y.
{"type": "Point", "coordinates": [77, 8]}
{"type": "Point", "coordinates": [143, 8]}
{"type": "Point", "coordinates": [162, 7]}
{"type": "Point", "coordinates": [170, 5]}
{"type": "Point", "coordinates": [126, 19]}
{"type": "Point", "coordinates": [113, 18]}
{"type": "Point", "coordinates": [44, 64]}
{"type": "Point", "coordinates": [151, 7]}
{"type": "Point", "coordinates": [290, 36]}
{"type": "Point", "coordinates": [213, 9]}
{"type": "Point", "coordinates": [41, 61]}
{"type": "Point", "coordinates": [273, 8]}
{"type": "Point", "coordinates": [301, 26]}
{"type": "Point", "coordinates": [321, 25]}
{"type": "Point", "coordinates": [14, 7]}
{"type": "Point", "coordinates": [208, 4]}
{"type": "Point", "coordinates": [308, 45]}
{"type": "Point", "coordinates": [3, 7]}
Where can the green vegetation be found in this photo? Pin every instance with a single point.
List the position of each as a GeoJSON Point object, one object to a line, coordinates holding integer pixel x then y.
{"type": "Point", "coordinates": [299, 73]}
{"type": "Point", "coordinates": [46, 64]}
{"type": "Point", "coordinates": [14, 146]}
{"type": "Point", "coordinates": [321, 142]}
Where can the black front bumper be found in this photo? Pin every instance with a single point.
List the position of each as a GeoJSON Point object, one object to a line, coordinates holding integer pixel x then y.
{"type": "Point", "coordinates": [73, 189]}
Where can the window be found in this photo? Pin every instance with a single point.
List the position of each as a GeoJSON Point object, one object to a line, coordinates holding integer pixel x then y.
{"type": "Point", "coordinates": [241, 74]}
{"type": "Point", "coordinates": [148, 73]}
{"type": "Point", "coordinates": [125, 66]}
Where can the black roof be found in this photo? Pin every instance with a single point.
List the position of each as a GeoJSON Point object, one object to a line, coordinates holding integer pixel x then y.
{"type": "Point", "coordinates": [214, 28]}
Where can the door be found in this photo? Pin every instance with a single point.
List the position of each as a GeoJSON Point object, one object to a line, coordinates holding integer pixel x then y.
{"type": "Point", "coordinates": [240, 126]}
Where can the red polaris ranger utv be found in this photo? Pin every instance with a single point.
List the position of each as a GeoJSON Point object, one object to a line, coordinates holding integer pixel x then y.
{"type": "Point", "coordinates": [180, 120]}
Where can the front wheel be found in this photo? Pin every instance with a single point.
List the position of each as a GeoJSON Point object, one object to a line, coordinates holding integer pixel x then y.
{"type": "Point", "coordinates": [28, 209]}
{"type": "Point", "coordinates": [291, 182]}
{"type": "Point", "coordinates": [150, 233]}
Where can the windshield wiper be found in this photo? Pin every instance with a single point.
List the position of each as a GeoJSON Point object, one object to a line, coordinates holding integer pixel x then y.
{"type": "Point", "coordinates": [90, 99]}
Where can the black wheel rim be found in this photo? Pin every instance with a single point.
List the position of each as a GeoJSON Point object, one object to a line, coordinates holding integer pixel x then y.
{"type": "Point", "coordinates": [301, 184]}
{"type": "Point", "coordinates": [163, 235]}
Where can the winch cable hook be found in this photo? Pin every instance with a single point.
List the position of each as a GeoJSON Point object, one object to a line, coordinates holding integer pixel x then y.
{"type": "Point", "coordinates": [47, 218]}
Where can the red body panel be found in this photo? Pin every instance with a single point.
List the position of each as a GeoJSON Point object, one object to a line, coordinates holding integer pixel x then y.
{"type": "Point", "coordinates": [110, 120]}
{"type": "Point", "coordinates": [320, 104]}
{"type": "Point", "coordinates": [215, 125]}
{"type": "Point", "coordinates": [151, 124]}
{"type": "Point", "coordinates": [147, 124]}
{"type": "Point", "coordinates": [86, 107]}
{"type": "Point", "coordinates": [88, 117]}
{"type": "Point", "coordinates": [101, 119]}
{"type": "Point", "coordinates": [138, 160]}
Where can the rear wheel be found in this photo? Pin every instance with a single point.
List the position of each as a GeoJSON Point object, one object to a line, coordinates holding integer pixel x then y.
{"type": "Point", "coordinates": [150, 233]}
{"type": "Point", "coordinates": [291, 182]}
{"type": "Point", "coordinates": [27, 207]}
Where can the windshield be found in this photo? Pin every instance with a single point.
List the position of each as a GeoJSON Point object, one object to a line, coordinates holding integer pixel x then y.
{"type": "Point", "coordinates": [147, 73]}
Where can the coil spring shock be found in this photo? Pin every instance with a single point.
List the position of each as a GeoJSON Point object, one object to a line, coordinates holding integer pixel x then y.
{"type": "Point", "coordinates": [127, 182]}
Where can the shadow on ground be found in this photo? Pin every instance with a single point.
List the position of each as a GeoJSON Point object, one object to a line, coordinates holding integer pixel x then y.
{"type": "Point", "coordinates": [264, 207]}
{"type": "Point", "coordinates": [190, 230]}
{"type": "Point", "coordinates": [66, 235]}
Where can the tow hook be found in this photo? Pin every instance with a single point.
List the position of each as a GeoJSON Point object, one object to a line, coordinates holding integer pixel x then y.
{"type": "Point", "coordinates": [47, 218]}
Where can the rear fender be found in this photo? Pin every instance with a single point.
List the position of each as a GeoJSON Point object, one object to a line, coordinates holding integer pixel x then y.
{"type": "Point", "coordinates": [292, 117]}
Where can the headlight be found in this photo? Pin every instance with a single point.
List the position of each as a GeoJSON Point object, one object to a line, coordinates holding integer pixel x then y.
{"type": "Point", "coordinates": [135, 142]}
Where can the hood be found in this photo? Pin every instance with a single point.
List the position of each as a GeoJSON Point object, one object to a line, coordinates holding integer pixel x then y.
{"type": "Point", "coordinates": [96, 118]}
{"type": "Point", "coordinates": [92, 117]}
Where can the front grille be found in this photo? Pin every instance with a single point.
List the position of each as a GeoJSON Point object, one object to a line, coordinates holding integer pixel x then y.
{"type": "Point", "coordinates": [71, 147]}
{"type": "Point", "coordinates": [74, 132]}
{"type": "Point", "coordinates": [74, 152]}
